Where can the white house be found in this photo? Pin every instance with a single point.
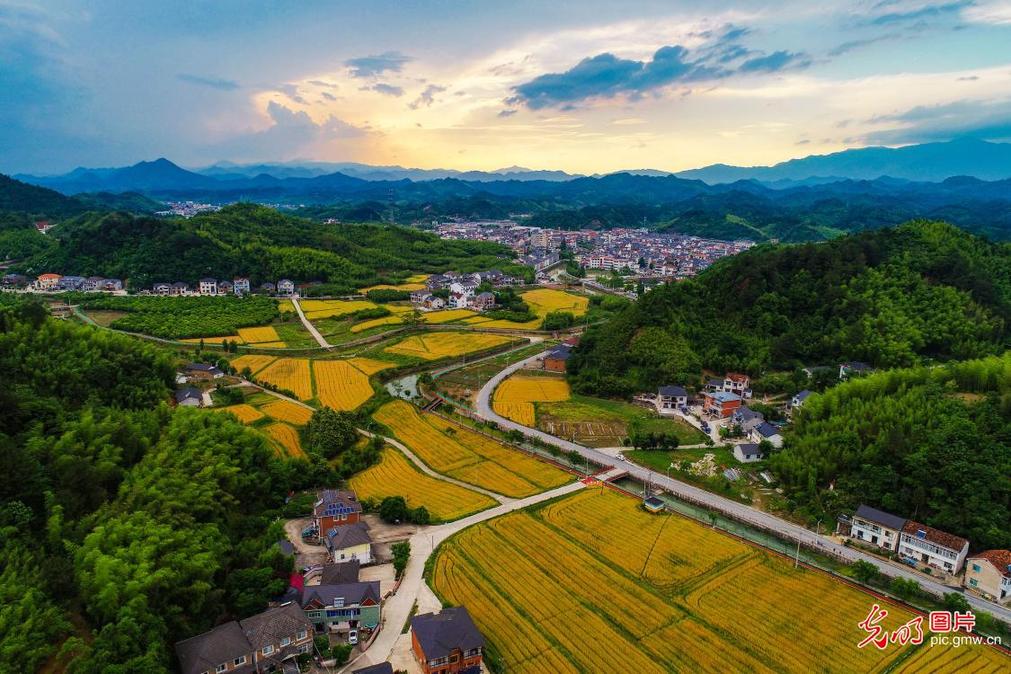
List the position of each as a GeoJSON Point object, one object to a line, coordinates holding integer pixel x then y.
{"type": "Point", "coordinates": [738, 384]}
{"type": "Point", "coordinates": [748, 453]}
{"type": "Point", "coordinates": [240, 286]}
{"type": "Point", "coordinates": [926, 545]}
{"type": "Point", "coordinates": [162, 288]}
{"type": "Point", "coordinates": [670, 398]}
{"type": "Point", "coordinates": [988, 574]}
{"type": "Point", "coordinates": [799, 398]}
{"type": "Point", "coordinates": [460, 295]}
{"type": "Point", "coordinates": [189, 397]}
{"type": "Point", "coordinates": [348, 542]}
{"type": "Point", "coordinates": [876, 527]}
{"type": "Point", "coordinates": [285, 287]}
{"type": "Point", "coordinates": [766, 431]}
{"type": "Point", "coordinates": [208, 286]}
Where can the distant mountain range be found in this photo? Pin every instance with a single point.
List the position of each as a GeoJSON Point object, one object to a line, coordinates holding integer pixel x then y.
{"type": "Point", "coordinates": [930, 162]}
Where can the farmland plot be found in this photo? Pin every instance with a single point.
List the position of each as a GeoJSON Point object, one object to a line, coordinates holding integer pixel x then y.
{"type": "Point", "coordinates": [466, 455]}
{"type": "Point", "coordinates": [262, 335]}
{"type": "Point", "coordinates": [282, 410]}
{"type": "Point", "coordinates": [291, 374]}
{"type": "Point", "coordinates": [340, 385]}
{"type": "Point", "coordinates": [515, 397]}
{"type": "Point", "coordinates": [394, 475]}
{"type": "Point", "coordinates": [602, 586]}
{"type": "Point", "coordinates": [435, 345]}
{"type": "Point", "coordinates": [254, 363]}
{"type": "Point", "coordinates": [287, 437]}
{"type": "Point", "coordinates": [247, 414]}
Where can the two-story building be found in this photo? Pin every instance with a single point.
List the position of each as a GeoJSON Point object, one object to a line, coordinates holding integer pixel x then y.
{"type": "Point", "coordinates": [240, 285]}
{"type": "Point", "coordinates": [746, 418]}
{"type": "Point", "coordinates": [720, 403]}
{"type": "Point", "coordinates": [224, 287]}
{"type": "Point", "coordinates": [447, 642]}
{"type": "Point", "coordinates": [339, 608]}
{"type": "Point", "coordinates": [799, 399]}
{"type": "Point", "coordinates": [48, 281]}
{"type": "Point", "coordinates": [876, 527]}
{"type": "Point", "coordinates": [748, 452]}
{"type": "Point", "coordinates": [207, 286]}
{"type": "Point", "coordinates": [350, 541]}
{"type": "Point", "coordinates": [557, 358]}
{"type": "Point", "coordinates": [334, 508]}
{"type": "Point", "coordinates": [671, 398]}
{"type": "Point", "coordinates": [933, 547]}
{"type": "Point", "coordinates": [285, 287]}
{"type": "Point", "coordinates": [261, 643]}
{"type": "Point", "coordinates": [737, 383]}
{"type": "Point", "coordinates": [988, 574]}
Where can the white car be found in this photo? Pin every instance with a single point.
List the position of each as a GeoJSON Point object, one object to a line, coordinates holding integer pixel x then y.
{"type": "Point", "coordinates": [353, 637]}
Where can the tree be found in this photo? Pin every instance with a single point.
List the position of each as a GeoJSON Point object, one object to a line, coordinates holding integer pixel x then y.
{"type": "Point", "coordinates": [393, 509]}
{"type": "Point", "coordinates": [330, 433]}
{"type": "Point", "coordinates": [574, 457]}
{"type": "Point", "coordinates": [401, 554]}
{"type": "Point", "coordinates": [864, 571]}
{"type": "Point", "coordinates": [955, 601]}
{"type": "Point", "coordinates": [904, 588]}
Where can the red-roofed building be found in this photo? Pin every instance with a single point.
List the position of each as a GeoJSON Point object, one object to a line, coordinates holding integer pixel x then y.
{"type": "Point", "coordinates": [48, 281]}
{"type": "Point", "coordinates": [988, 574]}
{"type": "Point", "coordinates": [932, 547]}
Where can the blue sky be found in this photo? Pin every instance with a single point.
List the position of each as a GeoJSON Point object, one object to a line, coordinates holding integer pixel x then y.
{"type": "Point", "coordinates": [581, 86]}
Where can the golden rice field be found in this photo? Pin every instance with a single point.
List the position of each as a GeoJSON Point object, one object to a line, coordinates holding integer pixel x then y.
{"type": "Point", "coordinates": [418, 278]}
{"type": "Point", "coordinates": [543, 301]}
{"type": "Point", "coordinates": [447, 316]}
{"type": "Point", "coordinates": [287, 438]}
{"type": "Point", "coordinates": [254, 363]}
{"type": "Point", "coordinates": [592, 583]}
{"type": "Point", "coordinates": [340, 385]}
{"type": "Point", "coordinates": [212, 340]}
{"type": "Point", "coordinates": [376, 322]}
{"type": "Point", "coordinates": [409, 286]}
{"type": "Point", "coordinates": [474, 320]}
{"type": "Point", "coordinates": [370, 366]}
{"type": "Point", "coordinates": [328, 308]}
{"type": "Point", "coordinates": [263, 334]}
{"type": "Point", "coordinates": [291, 374]}
{"type": "Point", "coordinates": [515, 397]}
{"type": "Point", "coordinates": [466, 455]}
{"type": "Point", "coordinates": [400, 308]}
{"type": "Point", "coordinates": [282, 410]}
{"type": "Point", "coordinates": [286, 307]}
{"type": "Point", "coordinates": [434, 345]}
{"type": "Point", "coordinates": [247, 414]}
{"type": "Point", "coordinates": [395, 475]}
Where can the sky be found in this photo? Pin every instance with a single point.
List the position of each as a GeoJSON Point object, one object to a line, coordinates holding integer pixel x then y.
{"type": "Point", "coordinates": [585, 87]}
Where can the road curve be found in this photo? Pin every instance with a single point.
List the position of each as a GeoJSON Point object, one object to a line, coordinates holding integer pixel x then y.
{"type": "Point", "coordinates": [734, 509]}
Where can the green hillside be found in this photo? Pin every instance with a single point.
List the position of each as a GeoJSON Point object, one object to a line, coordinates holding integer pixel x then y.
{"type": "Point", "coordinates": [257, 242]}
{"type": "Point", "coordinates": [921, 292]}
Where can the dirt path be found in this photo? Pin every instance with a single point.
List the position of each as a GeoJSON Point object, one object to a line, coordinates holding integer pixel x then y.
{"type": "Point", "coordinates": [309, 326]}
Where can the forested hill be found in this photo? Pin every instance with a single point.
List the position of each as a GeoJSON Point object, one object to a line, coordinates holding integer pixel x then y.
{"type": "Point", "coordinates": [125, 525]}
{"type": "Point", "coordinates": [257, 242]}
{"type": "Point", "coordinates": [24, 198]}
{"type": "Point", "coordinates": [924, 291]}
{"type": "Point", "coordinates": [925, 443]}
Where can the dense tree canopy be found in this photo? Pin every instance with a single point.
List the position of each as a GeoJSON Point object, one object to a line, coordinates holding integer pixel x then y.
{"type": "Point", "coordinates": [257, 242]}
{"type": "Point", "coordinates": [920, 292]}
{"type": "Point", "coordinates": [125, 525]}
{"type": "Point", "coordinates": [930, 444]}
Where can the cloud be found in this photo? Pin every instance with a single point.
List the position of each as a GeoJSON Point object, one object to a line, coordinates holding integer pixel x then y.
{"type": "Point", "coordinates": [291, 91]}
{"type": "Point", "coordinates": [370, 66]}
{"type": "Point", "coordinates": [852, 45]}
{"type": "Point", "coordinates": [328, 96]}
{"type": "Point", "coordinates": [606, 75]}
{"type": "Point", "coordinates": [774, 62]}
{"type": "Point", "coordinates": [920, 12]}
{"type": "Point", "coordinates": [427, 96]}
{"type": "Point", "coordinates": [989, 12]}
{"type": "Point", "coordinates": [322, 83]}
{"type": "Point", "coordinates": [212, 82]}
{"type": "Point", "coordinates": [387, 89]}
{"type": "Point", "coordinates": [985, 120]}
{"type": "Point", "coordinates": [508, 112]}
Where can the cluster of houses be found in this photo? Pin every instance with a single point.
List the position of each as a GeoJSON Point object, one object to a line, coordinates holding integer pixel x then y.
{"type": "Point", "coordinates": [212, 287]}
{"type": "Point", "coordinates": [59, 282]}
{"type": "Point", "coordinates": [331, 599]}
{"type": "Point", "coordinates": [462, 290]}
{"type": "Point", "coordinates": [987, 574]}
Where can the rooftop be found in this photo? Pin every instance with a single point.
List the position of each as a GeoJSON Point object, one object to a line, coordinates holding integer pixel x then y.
{"type": "Point", "coordinates": [935, 536]}
{"type": "Point", "coordinates": [673, 391]}
{"type": "Point", "coordinates": [880, 517]}
{"type": "Point", "coordinates": [350, 593]}
{"type": "Point", "coordinates": [206, 651]}
{"type": "Point", "coordinates": [440, 633]}
{"type": "Point", "coordinates": [723, 396]}
{"type": "Point", "coordinates": [1001, 559]}
{"type": "Point", "coordinates": [348, 536]}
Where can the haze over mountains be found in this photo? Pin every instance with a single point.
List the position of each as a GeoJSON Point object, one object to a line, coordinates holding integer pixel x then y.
{"type": "Point", "coordinates": [930, 162]}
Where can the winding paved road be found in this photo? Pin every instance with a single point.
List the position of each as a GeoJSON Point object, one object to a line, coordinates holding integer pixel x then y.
{"type": "Point", "coordinates": [735, 510]}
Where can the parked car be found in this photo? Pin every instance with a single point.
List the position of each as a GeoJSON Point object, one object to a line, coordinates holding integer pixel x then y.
{"type": "Point", "coordinates": [353, 637]}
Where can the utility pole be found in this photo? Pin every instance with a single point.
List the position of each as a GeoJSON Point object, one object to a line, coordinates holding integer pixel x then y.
{"type": "Point", "coordinates": [796, 560]}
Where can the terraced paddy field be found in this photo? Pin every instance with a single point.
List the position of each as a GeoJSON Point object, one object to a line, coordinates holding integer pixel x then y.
{"type": "Point", "coordinates": [286, 437]}
{"type": "Point", "coordinates": [593, 583]}
{"type": "Point", "coordinates": [435, 345]}
{"type": "Point", "coordinates": [468, 456]}
{"type": "Point", "coordinates": [395, 475]}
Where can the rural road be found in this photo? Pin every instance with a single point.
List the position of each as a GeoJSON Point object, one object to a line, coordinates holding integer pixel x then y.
{"type": "Point", "coordinates": [308, 325]}
{"type": "Point", "coordinates": [397, 608]}
{"type": "Point", "coordinates": [735, 510]}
